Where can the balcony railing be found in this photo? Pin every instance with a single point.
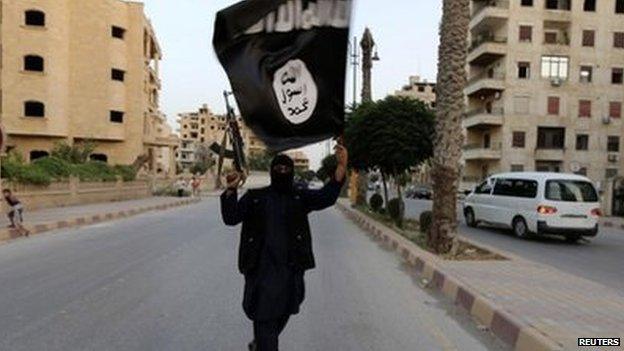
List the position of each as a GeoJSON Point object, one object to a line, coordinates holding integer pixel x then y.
{"type": "Point", "coordinates": [484, 39]}
{"type": "Point", "coordinates": [496, 111]}
{"type": "Point", "coordinates": [487, 75]}
{"type": "Point", "coordinates": [503, 4]}
{"type": "Point", "coordinates": [479, 146]}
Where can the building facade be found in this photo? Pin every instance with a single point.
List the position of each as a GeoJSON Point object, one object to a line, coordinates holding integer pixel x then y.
{"type": "Point", "coordinates": [75, 70]}
{"type": "Point", "coordinates": [203, 127]}
{"type": "Point", "coordinates": [420, 90]}
{"type": "Point", "coordinates": [545, 89]}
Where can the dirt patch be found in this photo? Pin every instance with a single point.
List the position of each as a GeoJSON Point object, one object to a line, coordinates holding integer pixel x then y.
{"type": "Point", "coordinates": [411, 230]}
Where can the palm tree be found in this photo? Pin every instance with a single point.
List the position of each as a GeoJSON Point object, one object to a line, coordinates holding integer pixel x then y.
{"type": "Point", "coordinates": [450, 109]}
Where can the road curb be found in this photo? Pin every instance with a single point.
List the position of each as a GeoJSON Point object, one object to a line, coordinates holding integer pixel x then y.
{"type": "Point", "coordinates": [509, 328]}
{"type": "Point", "coordinates": [7, 234]}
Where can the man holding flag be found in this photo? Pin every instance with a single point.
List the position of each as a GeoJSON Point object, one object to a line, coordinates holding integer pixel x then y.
{"type": "Point", "coordinates": [286, 62]}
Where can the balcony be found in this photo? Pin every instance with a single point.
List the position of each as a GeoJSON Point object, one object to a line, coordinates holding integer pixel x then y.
{"type": "Point", "coordinates": [477, 152]}
{"type": "Point", "coordinates": [486, 50]}
{"type": "Point", "coordinates": [489, 13]}
{"type": "Point", "coordinates": [483, 118]}
{"type": "Point", "coordinates": [485, 84]}
{"type": "Point", "coordinates": [549, 154]}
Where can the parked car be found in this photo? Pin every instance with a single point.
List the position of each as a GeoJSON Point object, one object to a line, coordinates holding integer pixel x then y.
{"type": "Point", "coordinates": [536, 203]}
{"type": "Point", "coordinates": [419, 192]}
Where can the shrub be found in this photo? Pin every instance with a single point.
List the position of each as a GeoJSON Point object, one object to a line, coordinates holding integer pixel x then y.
{"type": "Point", "coordinates": [77, 153]}
{"type": "Point", "coordinates": [127, 173]}
{"type": "Point", "coordinates": [396, 209]}
{"type": "Point", "coordinates": [376, 202]}
{"type": "Point", "coordinates": [94, 171]}
{"type": "Point", "coordinates": [55, 167]}
{"type": "Point", "coordinates": [426, 220]}
{"type": "Point", "coordinates": [30, 174]}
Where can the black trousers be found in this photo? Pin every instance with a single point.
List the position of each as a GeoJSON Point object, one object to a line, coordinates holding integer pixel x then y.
{"type": "Point", "coordinates": [266, 333]}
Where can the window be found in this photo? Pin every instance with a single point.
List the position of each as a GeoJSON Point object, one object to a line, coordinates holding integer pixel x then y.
{"type": "Point", "coordinates": [37, 154]}
{"type": "Point", "coordinates": [589, 38]}
{"type": "Point", "coordinates": [116, 116]}
{"type": "Point", "coordinates": [118, 32]}
{"type": "Point", "coordinates": [570, 191]}
{"type": "Point", "coordinates": [118, 75]}
{"type": "Point", "coordinates": [99, 157]}
{"type": "Point", "coordinates": [518, 139]}
{"type": "Point", "coordinates": [526, 3]}
{"type": "Point", "coordinates": [582, 142]}
{"type": "Point", "coordinates": [617, 75]}
{"type": "Point", "coordinates": [619, 6]}
{"type": "Point", "coordinates": [524, 70]}
{"type": "Point", "coordinates": [34, 18]}
{"type": "Point", "coordinates": [558, 5]}
{"type": "Point", "coordinates": [613, 144]}
{"type": "Point", "coordinates": [586, 74]}
{"type": "Point", "coordinates": [34, 109]}
{"type": "Point", "coordinates": [615, 109]}
{"type": "Point", "coordinates": [421, 89]}
{"type": "Point", "coordinates": [33, 63]}
{"type": "Point", "coordinates": [550, 37]}
{"type": "Point", "coordinates": [584, 108]}
{"type": "Point", "coordinates": [516, 188]}
{"type": "Point", "coordinates": [618, 40]}
{"type": "Point", "coordinates": [553, 105]}
{"type": "Point", "coordinates": [582, 171]}
{"type": "Point", "coordinates": [517, 168]}
{"type": "Point", "coordinates": [555, 67]}
{"type": "Point", "coordinates": [589, 6]}
{"type": "Point", "coordinates": [526, 34]}
{"type": "Point", "coordinates": [550, 138]}
{"type": "Point", "coordinates": [484, 188]}
{"type": "Point", "coordinates": [611, 173]}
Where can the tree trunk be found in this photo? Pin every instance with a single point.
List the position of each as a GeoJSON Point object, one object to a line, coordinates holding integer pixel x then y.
{"type": "Point", "coordinates": [385, 186]}
{"type": "Point", "coordinates": [362, 188]}
{"type": "Point", "coordinates": [450, 109]}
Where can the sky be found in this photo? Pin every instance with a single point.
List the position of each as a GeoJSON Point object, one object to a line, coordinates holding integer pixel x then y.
{"type": "Point", "coordinates": [406, 33]}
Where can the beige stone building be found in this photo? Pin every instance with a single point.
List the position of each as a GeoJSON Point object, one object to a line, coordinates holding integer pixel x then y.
{"type": "Point", "coordinates": [419, 89]}
{"type": "Point", "coordinates": [545, 89]}
{"type": "Point", "coordinates": [300, 159]}
{"type": "Point", "coordinates": [75, 70]}
{"type": "Point", "coordinates": [205, 127]}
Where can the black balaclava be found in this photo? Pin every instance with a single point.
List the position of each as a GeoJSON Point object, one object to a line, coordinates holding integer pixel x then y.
{"type": "Point", "coordinates": [282, 182]}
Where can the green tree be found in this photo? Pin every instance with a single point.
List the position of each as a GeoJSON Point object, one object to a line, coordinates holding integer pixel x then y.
{"type": "Point", "coordinates": [76, 153]}
{"type": "Point", "coordinates": [328, 168]}
{"type": "Point", "coordinates": [391, 135]}
{"type": "Point", "coordinates": [260, 161]}
{"type": "Point", "coordinates": [449, 111]}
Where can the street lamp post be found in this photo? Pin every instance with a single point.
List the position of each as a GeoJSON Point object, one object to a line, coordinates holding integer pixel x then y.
{"type": "Point", "coordinates": [367, 44]}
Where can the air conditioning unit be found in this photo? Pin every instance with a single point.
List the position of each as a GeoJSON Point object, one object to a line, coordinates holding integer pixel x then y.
{"type": "Point", "coordinates": [613, 158]}
{"type": "Point", "coordinates": [606, 120]}
{"type": "Point", "coordinates": [556, 82]}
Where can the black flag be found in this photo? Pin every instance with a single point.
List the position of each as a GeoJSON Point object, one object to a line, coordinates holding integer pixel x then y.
{"type": "Point", "coordinates": [286, 61]}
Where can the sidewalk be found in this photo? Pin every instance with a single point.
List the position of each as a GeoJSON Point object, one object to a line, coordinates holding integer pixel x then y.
{"type": "Point", "coordinates": [528, 305]}
{"type": "Point", "coordinates": [64, 217]}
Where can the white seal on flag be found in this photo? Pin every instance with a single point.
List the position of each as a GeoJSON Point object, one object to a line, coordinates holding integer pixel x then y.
{"type": "Point", "coordinates": [295, 91]}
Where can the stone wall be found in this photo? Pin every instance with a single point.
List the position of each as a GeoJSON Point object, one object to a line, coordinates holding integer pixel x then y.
{"type": "Point", "coordinates": [74, 192]}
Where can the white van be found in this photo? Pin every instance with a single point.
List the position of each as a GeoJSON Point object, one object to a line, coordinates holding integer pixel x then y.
{"type": "Point", "coordinates": [536, 203]}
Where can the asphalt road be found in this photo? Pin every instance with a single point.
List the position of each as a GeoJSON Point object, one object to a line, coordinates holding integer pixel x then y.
{"type": "Point", "coordinates": [600, 260]}
{"type": "Point", "coordinates": [168, 281]}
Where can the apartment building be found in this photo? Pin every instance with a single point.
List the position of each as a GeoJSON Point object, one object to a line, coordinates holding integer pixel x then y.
{"type": "Point", "coordinates": [75, 70]}
{"type": "Point", "coordinates": [300, 160]}
{"type": "Point", "coordinates": [203, 127]}
{"type": "Point", "coordinates": [419, 89]}
{"type": "Point", "coordinates": [545, 88]}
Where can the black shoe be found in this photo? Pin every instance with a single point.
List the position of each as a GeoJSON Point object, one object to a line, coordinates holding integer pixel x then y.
{"type": "Point", "coordinates": [252, 346]}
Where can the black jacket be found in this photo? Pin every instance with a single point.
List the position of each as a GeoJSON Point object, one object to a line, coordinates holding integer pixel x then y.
{"type": "Point", "coordinates": [250, 211]}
